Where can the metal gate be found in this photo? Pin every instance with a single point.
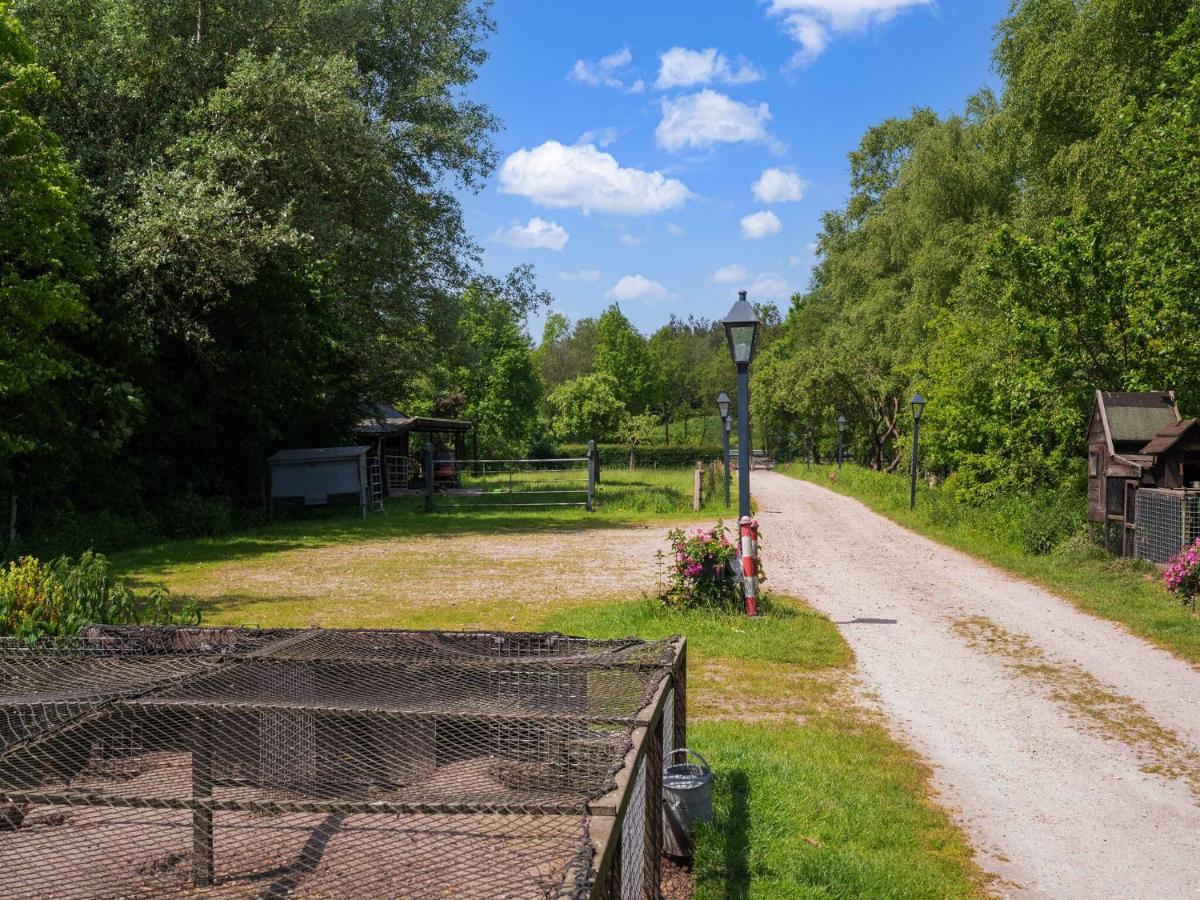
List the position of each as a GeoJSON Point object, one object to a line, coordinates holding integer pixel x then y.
{"type": "Point", "coordinates": [458, 484]}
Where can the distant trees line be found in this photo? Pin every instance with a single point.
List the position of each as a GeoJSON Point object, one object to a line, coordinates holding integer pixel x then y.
{"type": "Point", "coordinates": [1008, 260]}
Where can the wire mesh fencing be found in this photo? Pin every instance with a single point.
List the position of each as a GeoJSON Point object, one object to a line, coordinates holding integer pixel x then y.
{"type": "Point", "coordinates": [1167, 520]}
{"type": "Point", "coordinates": [324, 763]}
{"type": "Point", "coordinates": [511, 483]}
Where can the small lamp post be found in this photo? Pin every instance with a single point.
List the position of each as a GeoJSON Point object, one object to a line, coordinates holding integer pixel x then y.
{"type": "Point", "coordinates": [841, 431]}
{"type": "Point", "coordinates": [723, 409]}
{"type": "Point", "coordinates": [741, 329]}
{"type": "Point", "coordinates": [918, 406]}
{"type": "Point", "coordinates": [812, 457]}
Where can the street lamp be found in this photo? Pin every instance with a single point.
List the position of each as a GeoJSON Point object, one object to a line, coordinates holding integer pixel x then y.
{"type": "Point", "coordinates": [841, 431]}
{"type": "Point", "coordinates": [918, 406]}
{"type": "Point", "coordinates": [741, 328]}
{"type": "Point", "coordinates": [723, 409]}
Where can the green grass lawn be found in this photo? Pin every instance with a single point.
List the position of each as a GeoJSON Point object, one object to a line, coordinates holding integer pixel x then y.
{"type": "Point", "coordinates": [1125, 591]}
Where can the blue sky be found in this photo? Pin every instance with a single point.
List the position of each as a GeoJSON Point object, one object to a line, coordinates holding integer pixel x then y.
{"type": "Point", "coordinates": [666, 154]}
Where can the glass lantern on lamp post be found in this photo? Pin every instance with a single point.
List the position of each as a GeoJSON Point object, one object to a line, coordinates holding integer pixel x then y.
{"type": "Point", "coordinates": [741, 331]}
{"type": "Point", "coordinates": [918, 407]}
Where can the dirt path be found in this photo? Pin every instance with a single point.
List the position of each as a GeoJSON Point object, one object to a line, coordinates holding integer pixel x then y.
{"type": "Point", "coordinates": [1069, 748]}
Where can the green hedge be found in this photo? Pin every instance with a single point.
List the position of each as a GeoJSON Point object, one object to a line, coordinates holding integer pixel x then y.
{"type": "Point", "coordinates": [674, 456]}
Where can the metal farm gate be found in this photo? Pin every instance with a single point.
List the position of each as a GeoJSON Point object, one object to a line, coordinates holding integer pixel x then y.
{"type": "Point", "coordinates": [458, 484]}
{"type": "Point", "coordinates": [1167, 520]}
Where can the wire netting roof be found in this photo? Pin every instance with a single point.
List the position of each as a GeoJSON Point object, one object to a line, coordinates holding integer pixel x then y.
{"type": "Point", "coordinates": [312, 762]}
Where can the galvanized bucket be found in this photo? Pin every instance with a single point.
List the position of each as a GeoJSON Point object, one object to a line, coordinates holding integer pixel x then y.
{"type": "Point", "coordinates": [687, 798]}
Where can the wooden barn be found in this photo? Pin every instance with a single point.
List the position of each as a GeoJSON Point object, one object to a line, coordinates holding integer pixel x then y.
{"type": "Point", "coordinates": [1143, 473]}
{"type": "Point", "coordinates": [398, 442]}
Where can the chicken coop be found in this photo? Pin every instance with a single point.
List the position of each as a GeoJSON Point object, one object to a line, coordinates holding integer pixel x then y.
{"type": "Point", "coordinates": [321, 763]}
{"type": "Point", "coordinates": [1143, 474]}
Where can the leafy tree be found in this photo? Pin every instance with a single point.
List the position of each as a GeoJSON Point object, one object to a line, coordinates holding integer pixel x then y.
{"type": "Point", "coordinates": [621, 353]}
{"type": "Point", "coordinates": [271, 192]}
{"type": "Point", "coordinates": [586, 408]}
{"type": "Point", "coordinates": [636, 430]}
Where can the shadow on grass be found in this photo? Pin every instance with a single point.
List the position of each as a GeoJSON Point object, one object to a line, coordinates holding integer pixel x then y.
{"type": "Point", "coordinates": [729, 835]}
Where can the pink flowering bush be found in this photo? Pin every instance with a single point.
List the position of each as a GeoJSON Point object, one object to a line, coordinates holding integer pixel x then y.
{"type": "Point", "coordinates": [1182, 575]}
{"type": "Point", "coordinates": [698, 573]}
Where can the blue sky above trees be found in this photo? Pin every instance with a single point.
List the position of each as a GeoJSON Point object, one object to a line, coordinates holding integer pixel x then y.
{"type": "Point", "coordinates": [664, 155]}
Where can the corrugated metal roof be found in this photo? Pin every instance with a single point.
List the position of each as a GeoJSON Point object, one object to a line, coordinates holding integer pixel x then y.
{"type": "Point", "coordinates": [316, 454]}
{"type": "Point", "coordinates": [1138, 417]}
{"type": "Point", "coordinates": [1169, 437]}
{"type": "Point", "coordinates": [383, 419]}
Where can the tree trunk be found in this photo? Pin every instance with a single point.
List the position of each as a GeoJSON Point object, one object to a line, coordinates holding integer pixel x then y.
{"type": "Point", "coordinates": [12, 520]}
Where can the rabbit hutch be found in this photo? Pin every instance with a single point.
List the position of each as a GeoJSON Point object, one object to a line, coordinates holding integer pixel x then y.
{"type": "Point", "coordinates": [1143, 474]}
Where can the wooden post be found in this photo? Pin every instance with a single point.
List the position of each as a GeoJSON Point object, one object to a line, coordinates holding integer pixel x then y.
{"type": "Point", "coordinates": [428, 476]}
{"type": "Point", "coordinates": [679, 739]}
{"type": "Point", "coordinates": [202, 819]}
{"type": "Point", "coordinates": [592, 471]}
{"type": "Point", "coordinates": [697, 485]}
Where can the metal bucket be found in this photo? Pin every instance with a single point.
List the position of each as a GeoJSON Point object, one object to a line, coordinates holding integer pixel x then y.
{"type": "Point", "coordinates": [687, 798]}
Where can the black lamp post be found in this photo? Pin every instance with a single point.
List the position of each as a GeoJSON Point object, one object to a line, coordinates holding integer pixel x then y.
{"type": "Point", "coordinates": [723, 409]}
{"type": "Point", "coordinates": [841, 431]}
{"type": "Point", "coordinates": [812, 458]}
{"type": "Point", "coordinates": [741, 329]}
{"type": "Point", "coordinates": [918, 406]}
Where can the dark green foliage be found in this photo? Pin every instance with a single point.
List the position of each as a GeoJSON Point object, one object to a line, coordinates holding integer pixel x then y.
{"type": "Point", "coordinates": [190, 515]}
{"type": "Point", "coordinates": [269, 187]}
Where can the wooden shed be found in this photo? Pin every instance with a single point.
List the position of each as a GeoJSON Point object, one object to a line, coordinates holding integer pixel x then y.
{"type": "Point", "coordinates": [1176, 455]}
{"type": "Point", "coordinates": [398, 442]}
{"type": "Point", "coordinates": [1122, 425]}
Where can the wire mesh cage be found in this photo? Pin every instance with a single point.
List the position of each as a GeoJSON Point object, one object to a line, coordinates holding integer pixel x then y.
{"type": "Point", "coordinates": [325, 763]}
{"type": "Point", "coordinates": [1167, 521]}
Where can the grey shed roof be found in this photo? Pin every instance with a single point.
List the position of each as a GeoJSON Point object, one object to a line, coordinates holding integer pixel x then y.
{"type": "Point", "coordinates": [1137, 416]}
{"type": "Point", "coordinates": [380, 418]}
{"type": "Point", "coordinates": [316, 454]}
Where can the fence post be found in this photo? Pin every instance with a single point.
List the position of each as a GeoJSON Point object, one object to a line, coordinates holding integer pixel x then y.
{"type": "Point", "coordinates": [697, 485]}
{"type": "Point", "coordinates": [591, 467]}
{"type": "Point", "coordinates": [428, 476]}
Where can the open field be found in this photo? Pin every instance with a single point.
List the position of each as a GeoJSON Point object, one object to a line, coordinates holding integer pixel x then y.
{"type": "Point", "coordinates": [814, 798]}
{"type": "Point", "coordinates": [1125, 591]}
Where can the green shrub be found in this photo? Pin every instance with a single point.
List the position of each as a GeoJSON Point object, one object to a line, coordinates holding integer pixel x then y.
{"type": "Point", "coordinates": [191, 516]}
{"type": "Point", "coordinates": [56, 599]}
{"type": "Point", "coordinates": [647, 456]}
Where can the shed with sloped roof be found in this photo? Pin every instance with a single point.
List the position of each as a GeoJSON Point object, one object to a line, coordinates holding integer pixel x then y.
{"type": "Point", "coordinates": [1123, 424]}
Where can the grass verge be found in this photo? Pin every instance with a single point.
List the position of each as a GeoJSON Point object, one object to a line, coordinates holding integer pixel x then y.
{"type": "Point", "coordinates": [1124, 591]}
{"type": "Point", "coordinates": [813, 797]}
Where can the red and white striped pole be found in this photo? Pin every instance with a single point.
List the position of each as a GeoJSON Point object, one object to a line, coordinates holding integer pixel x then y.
{"type": "Point", "coordinates": [749, 534]}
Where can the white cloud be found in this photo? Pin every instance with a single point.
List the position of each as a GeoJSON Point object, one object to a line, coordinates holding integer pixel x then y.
{"type": "Point", "coordinates": [779, 186]}
{"type": "Point", "coordinates": [707, 118]}
{"type": "Point", "coordinates": [770, 286]}
{"type": "Point", "coordinates": [580, 275]}
{"type": "Point", "coordinates": [735, 274]}
{"type": "Point", "coordinates": [760, 225]}
{"type": "Point", "coordinates": [674, 230]}
{"type": "Point", "coordinates": [581, 176]}
{"type": "Point", "coordinates": [599, 136]}
{"type": "Point", "coordinates": [811, 23]}
{"type": "Point", "coordinates": [680, 67]}
{"type": "Point", "coordinates": [536, 234]}
{"type": "Point", "coordinates": [608, 71]}
{"type": "Point", "coordinates": [638, 287]}
{"type": "Point", "coordinates": [630, 240]}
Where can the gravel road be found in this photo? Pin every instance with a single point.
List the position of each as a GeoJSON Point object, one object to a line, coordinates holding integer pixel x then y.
{"type": "Point", "coordinates": [1067, 748]}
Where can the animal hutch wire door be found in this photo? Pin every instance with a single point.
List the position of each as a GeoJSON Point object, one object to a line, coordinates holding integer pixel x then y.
{"type": "Point", "coordinates": [1167, 520]}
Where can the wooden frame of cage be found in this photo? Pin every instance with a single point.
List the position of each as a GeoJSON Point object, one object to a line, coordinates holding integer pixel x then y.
{"type": "Point", "coordinates": [605, 815]}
